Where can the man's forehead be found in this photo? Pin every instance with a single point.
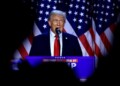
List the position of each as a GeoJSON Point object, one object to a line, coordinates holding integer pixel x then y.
{"type": "Point", "coordinates": [57, 15]}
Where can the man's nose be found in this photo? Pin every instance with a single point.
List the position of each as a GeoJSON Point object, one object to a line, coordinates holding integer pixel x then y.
{"type": "Point", "coordinates": [58, 23]}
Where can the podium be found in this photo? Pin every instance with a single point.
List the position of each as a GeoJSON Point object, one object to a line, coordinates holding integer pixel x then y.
{"type": "Point", "coordinates": [82, 66]}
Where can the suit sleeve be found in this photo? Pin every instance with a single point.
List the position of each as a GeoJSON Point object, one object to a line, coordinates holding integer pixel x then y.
{"type": "Point", "coordinates": [34, 48]}
{"type": "Point", "coordinates": [77, 48]}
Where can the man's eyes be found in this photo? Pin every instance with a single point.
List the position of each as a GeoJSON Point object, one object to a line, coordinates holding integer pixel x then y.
{"type": "Point", "coordinates": [58, 20]}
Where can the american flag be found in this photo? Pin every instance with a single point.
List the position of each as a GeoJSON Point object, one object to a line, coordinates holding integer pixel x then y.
{"type": "Point", "coordinates": [105, 14]}
{"type": "Point", "coordinates": [92, 21]}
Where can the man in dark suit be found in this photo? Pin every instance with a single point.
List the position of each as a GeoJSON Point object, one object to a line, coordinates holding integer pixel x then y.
{"type": "Point", "coordinates": [43, 45]}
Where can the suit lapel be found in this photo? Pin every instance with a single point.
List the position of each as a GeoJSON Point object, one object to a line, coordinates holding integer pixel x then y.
{"type": "Point", "coordinates": [47, 45]}
{"type": "Point", "coordinates": [65, 41]}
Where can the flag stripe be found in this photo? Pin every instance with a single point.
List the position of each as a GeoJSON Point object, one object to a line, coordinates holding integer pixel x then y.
{"type": "Point", "coordinates": [84, 52]}
{"type": "Point", "coordinates": [100, 45]}
{"type": "Point", "coordinates": [17, 55]}
{"type": "Point", "coordinates": [109, 35]}
{"type": "Point", "coordinates": [105, 41]}
{"type": "Point", "coordinates": [27, 45]}
{"type": "Point", "coordinates": [92, 34]}
{"type": "Point", "coordinates": [98, 51]}
{"type": "Point", "coordinates": [112, 27]}
{"type": "Point", "coordinates": [89, 38]}
{"type": "Point", "coordinates": [22, 51]}
{"type": "Point", "coordinates": [96, 48]}
{"type": "Point", "coordinates": [30, 38]}
{"type": "Point", "coordinates": [36, 30]}
{"type": "Point", "coordinates": [86, 45]}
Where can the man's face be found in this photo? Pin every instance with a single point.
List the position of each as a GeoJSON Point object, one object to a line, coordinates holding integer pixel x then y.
{"type": "Point", "coordinates": [56, 21]}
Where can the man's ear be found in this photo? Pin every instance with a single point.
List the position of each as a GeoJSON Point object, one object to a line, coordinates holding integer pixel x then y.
{"type": "Point", "coordinates": [49, 23]}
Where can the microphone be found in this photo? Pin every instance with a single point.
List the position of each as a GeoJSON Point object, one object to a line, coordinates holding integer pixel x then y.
{"type": "Point", "coordinates": [57, 31]}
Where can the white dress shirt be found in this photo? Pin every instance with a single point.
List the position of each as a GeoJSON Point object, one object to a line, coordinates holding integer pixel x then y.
{"type": "Point", "coordinates": [52, 39]}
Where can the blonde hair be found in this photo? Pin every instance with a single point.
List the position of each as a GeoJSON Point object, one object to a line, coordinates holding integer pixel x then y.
{"type": "Point", "coordinates": [59, 12]}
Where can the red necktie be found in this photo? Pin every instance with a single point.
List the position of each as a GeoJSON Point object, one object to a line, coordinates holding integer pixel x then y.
{"type": "Point", "coordinates": [56, 46]}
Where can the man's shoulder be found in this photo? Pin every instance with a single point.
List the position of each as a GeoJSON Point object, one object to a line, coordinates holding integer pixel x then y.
{"type": "Point", "coordinates": [43, 35]}
{"type": "Point", "coordinates": [69, 35]}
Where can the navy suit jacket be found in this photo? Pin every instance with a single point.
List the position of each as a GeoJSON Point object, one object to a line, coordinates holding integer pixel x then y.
{"type": "Point", "coordinates": [41, 45]}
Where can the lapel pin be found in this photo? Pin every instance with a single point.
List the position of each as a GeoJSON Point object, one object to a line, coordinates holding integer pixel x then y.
{"type": "Point", "coordinates": [66, 38]}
